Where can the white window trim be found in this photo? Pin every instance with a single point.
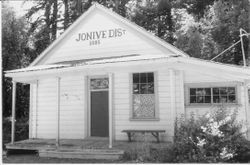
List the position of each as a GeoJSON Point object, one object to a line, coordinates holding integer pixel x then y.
{"type": "Point", "coordinates": [131, 118]}
{"type": "Point", "coordinates": [212, 85]}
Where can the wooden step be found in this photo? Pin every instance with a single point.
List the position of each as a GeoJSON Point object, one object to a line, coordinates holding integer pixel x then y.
{"type": "Point", "coordinates": [110, 154]}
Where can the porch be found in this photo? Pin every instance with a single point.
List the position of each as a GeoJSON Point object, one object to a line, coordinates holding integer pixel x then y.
{"type": "Point", "coordinates": [88, 148]}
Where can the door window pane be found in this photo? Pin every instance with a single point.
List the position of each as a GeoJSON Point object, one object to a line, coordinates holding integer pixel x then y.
{"type": "Point", "coordinates": [99, 83]}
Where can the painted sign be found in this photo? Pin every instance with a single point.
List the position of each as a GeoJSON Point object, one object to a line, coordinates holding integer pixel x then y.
{"type": "Point", "coordinates": [95, 37]}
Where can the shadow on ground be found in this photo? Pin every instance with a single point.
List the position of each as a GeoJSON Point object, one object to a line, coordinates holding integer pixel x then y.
{"type": "Point", "coordinates": [24, 156]}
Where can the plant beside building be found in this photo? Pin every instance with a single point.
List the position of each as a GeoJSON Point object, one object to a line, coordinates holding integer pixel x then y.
{"type": "Point", "coordinates": [214, 137]}
{"type": "Point", "coordinates": [211, 138]}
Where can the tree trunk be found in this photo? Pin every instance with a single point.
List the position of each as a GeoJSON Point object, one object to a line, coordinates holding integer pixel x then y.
{"type": "Point", "coordinates": [54, 20]}
{"type": "Point", "coordinates": [66, 14]}
{"type": "Point", "coordinates": [79, 7]}
{"type": "Point", "coordinates": [170, 27]}
{"type": "Point", "coordinates": [47, 19]}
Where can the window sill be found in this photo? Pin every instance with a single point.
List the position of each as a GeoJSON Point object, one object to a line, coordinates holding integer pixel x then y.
{"type": "Point", "coordinates": [144, 119]}
{"type": "Point", "coordinates": [213, 105]}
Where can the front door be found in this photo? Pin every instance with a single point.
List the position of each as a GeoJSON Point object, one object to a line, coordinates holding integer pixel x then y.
{"type": "Point", "coordinates": [99, 114]}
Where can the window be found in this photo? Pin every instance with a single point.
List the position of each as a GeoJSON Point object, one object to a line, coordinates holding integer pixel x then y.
{"type": "Point", "coordinates": [200, 95]}
{"type": "Point", "coordinates": [99, 83]}
{"type": "Point", "coordinates": [143, 95]}
{"type": "Point", "coordinates": [213, 95]}
{"type": "Point", "coordinates": [224, 95]}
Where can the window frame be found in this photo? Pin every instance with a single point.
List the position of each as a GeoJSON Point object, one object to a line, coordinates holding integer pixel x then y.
{"type": "Point", "coordinates": [214, 85]}
{"type": "Point", "coordinates": [156, 116]}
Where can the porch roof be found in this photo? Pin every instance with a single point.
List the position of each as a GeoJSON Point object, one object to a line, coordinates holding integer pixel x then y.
{"type": "Point", "coordinates": [77, 63]}
{"type": "Point", "coordinates": [177, 61]}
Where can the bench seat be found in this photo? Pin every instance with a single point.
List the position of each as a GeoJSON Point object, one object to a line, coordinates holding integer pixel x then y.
{"type": "Point", "coordinates": [155, 133]}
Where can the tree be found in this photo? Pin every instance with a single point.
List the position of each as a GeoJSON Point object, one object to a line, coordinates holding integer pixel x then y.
{"type": "Point", "coordinates": [44, 28]}
{"type": "Point", "coordinates": [191, 42]}
{"type": "Point", "coordinates": [229, 17]}
{"type": "Point", "coordinates": [218, 23]}
{"type": "Point", "coordinates": [155, 16]}
{"type": "Point", "coordinates": [196, 7]}
{"type": "Point", "coordinates": [15, 54]}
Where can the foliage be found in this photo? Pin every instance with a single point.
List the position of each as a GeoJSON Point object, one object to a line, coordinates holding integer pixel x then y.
{"type": "Point", "coordinates": [155, 16]}
{"type": "Point", "coordinates": [196, 7]}
{"type": "Point", "coordinates": [228, 18]}
{"type": "Point", "coordinates": [21, 133]}
{"type": "Point", "coordinates": [214, 137]}
{"type": "Point", "coordinates": [16, 54]}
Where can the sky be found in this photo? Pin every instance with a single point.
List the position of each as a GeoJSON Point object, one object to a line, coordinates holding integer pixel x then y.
{"type": "Point", "coordinates": [19, 6]}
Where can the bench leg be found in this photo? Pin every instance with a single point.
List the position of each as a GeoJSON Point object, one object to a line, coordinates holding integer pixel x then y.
{"type": "Point", "coordinates": [129, 136]}
{"type": "Point", "coordinates": [156, 135]}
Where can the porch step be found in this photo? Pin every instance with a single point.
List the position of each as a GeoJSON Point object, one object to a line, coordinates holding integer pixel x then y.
{"type": "Point", "coordinates": [108, 154]}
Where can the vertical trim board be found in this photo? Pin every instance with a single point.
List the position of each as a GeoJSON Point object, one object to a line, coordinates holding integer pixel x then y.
{"type": "Point", "coordinates": [31, 111]}
{"type": "Point", "coordinates": [110, 110]}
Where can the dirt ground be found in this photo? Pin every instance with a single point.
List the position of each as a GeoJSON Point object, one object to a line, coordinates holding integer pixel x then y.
{"type": "Point", "coordinates": [34, 158]}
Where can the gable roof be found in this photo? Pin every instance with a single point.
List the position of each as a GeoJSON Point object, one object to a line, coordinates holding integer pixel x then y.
{"type": "Point", "coordinates": [112, 14]}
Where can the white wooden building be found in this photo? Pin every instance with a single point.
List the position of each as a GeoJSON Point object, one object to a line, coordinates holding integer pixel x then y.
{"type": "Point", "coordinates": [105, 74]}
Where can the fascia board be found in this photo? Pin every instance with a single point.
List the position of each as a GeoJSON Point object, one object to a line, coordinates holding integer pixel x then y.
{"type": "Point", "coordinates": [157, 62]}
{"type": "Point", "coordinates": [211, 65]}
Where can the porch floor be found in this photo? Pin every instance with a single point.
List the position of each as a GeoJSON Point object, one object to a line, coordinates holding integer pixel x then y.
{"type": "Point", "coordinates": [78, 144]}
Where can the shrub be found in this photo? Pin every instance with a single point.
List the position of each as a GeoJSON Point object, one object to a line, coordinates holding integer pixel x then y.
{"type": "Point", "coordinates": [214, 137]}
{"type": "Point", "coordinates": [21, 130]}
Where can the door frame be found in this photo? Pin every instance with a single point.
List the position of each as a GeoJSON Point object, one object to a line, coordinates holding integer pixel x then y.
{"type": "Point", "coordinates": [89, 99]}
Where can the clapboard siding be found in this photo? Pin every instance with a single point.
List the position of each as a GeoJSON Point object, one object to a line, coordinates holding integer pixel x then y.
{"type": "Point", "coordinates": [122, 106]}
{"type": "Point", "coordinates": [192, 76]}
{"type": "Point", "coordinates": [72, 107]}
{"type": "Point", "coordinates": [46, 111]}
{"type": "Point", "coordinates": [201, 80]}
{"type": "Point", "coordinates": [72, 112]}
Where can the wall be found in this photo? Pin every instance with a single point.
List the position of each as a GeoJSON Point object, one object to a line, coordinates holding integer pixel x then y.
{"type": "Point", "coordinates": [72, 112]}
{"type": "Point", "coordinates": [46, 114]}
{"type": "Point", "coordinates": [73, 103]}
{"type": "Point", "coordinates": [122, 105]}
{"type": "Point", "coordinates": [73, 122]}
{"type": "Point", "coordinates": [193, 79]}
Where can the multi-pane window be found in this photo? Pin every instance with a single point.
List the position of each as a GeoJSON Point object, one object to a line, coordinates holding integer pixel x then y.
{"type": "Point", "coordinates": [143, 95]}
{"type": "Point", "coordinates": [213, 95]}
{"type": "Point", "coordinates": [224, 95]}
{"type": "Point", "coordinates": [200, 95]}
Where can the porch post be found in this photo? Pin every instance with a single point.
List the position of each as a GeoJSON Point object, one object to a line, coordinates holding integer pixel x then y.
{"type": "Point", "coordinates": [182, 92]}
{"type": "Point", "coordinates": [247, 110]}
{"type": "Point", "coordinates": [13, 111]}
{"type": "Point", "coordinates": [110, 110]}
{"type": "Point", "coordinates": [172, 96]}
{"type": "Point", "coordinates": [58, 113]}
{"type": "Point", "coordinates": [36, 109]}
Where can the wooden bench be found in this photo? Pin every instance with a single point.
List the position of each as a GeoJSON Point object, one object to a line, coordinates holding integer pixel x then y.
{"type": "Point", "coordinates": [155, 133]}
